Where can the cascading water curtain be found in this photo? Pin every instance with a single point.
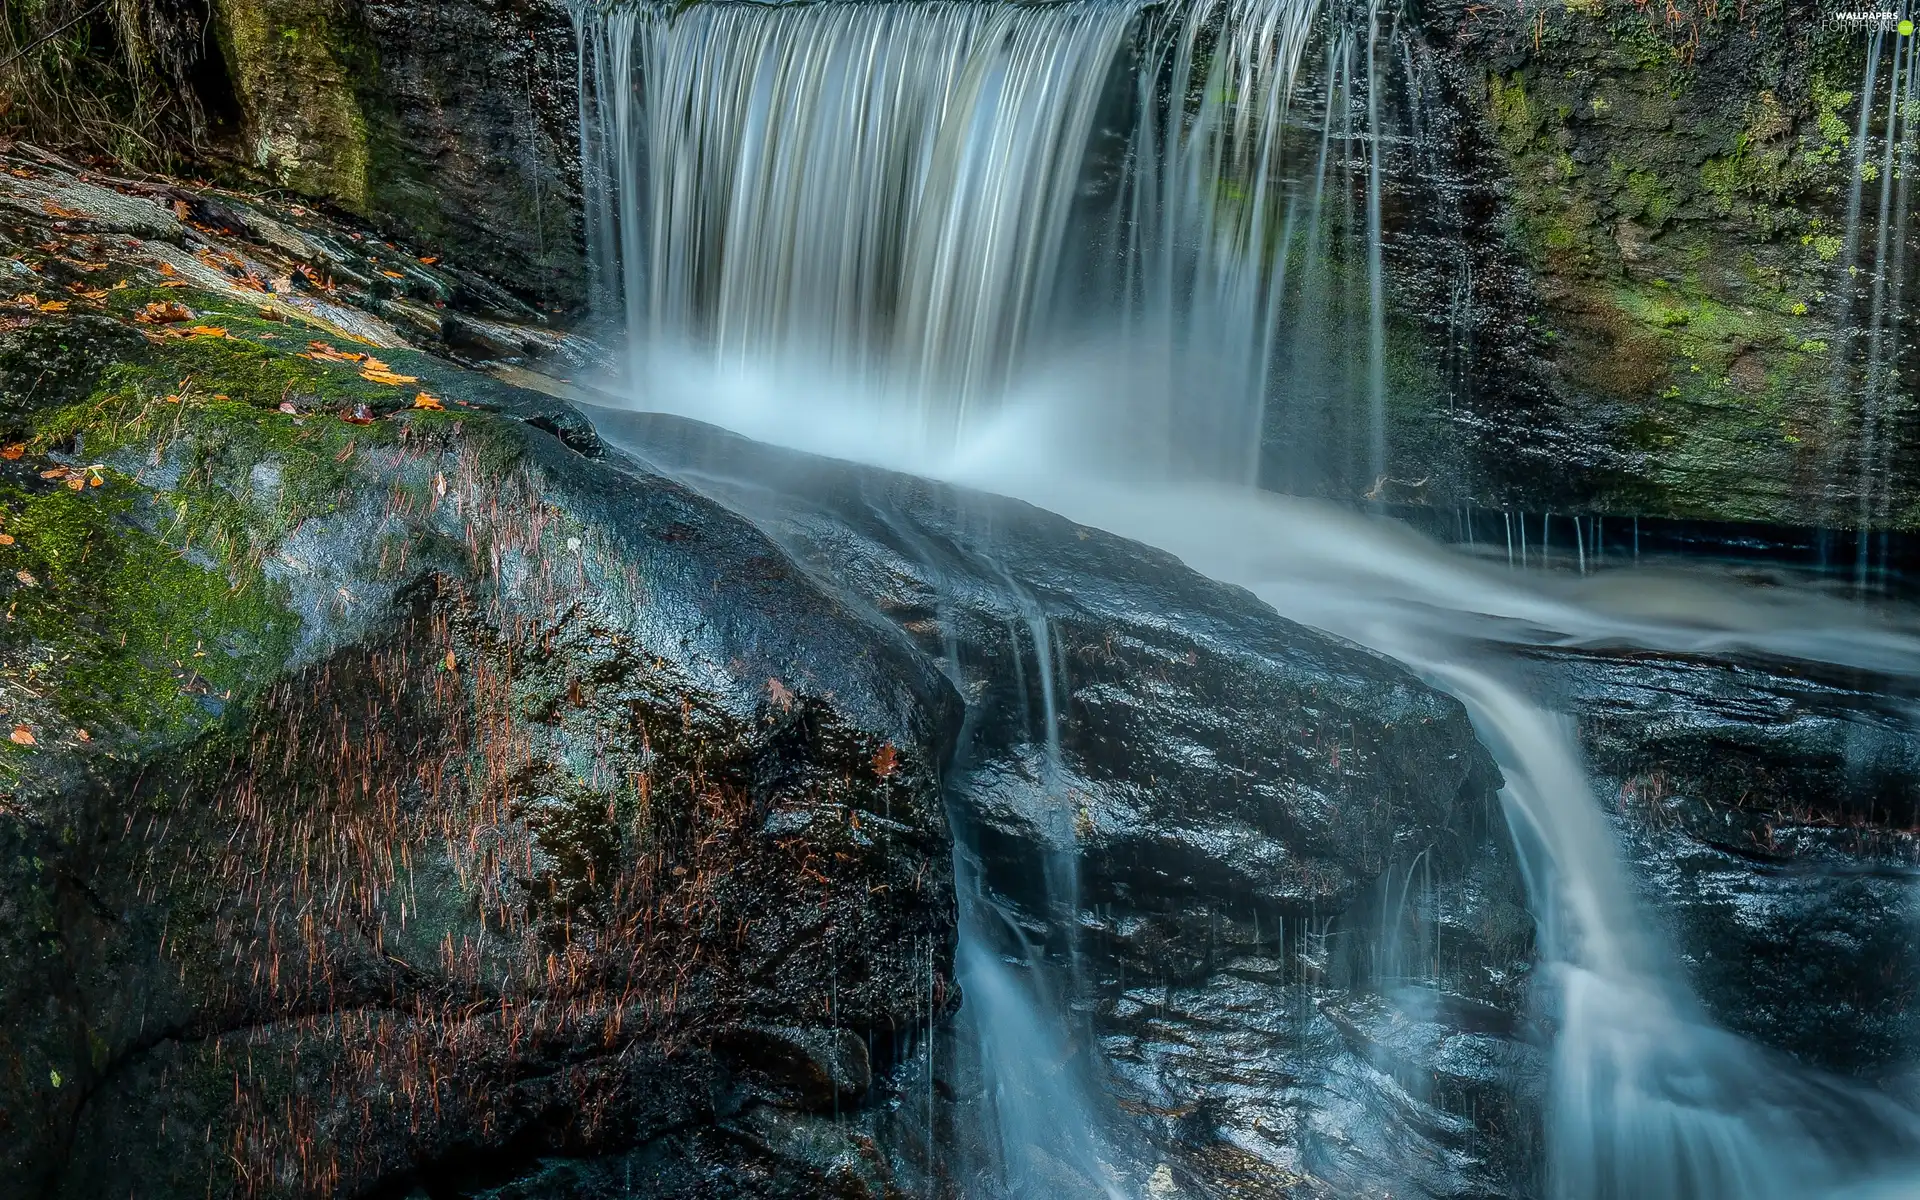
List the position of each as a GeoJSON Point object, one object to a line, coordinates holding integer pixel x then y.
{"type": "Point", "coordinates": [1112, 209]}
{"type": "Point", "coordinates": [1867, 398]}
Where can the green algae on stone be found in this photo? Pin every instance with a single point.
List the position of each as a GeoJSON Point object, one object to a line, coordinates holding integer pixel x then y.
{"type": "Point", "coordinates": [124, 627]}
{"type": "Point", "coordinates": [304, 126]}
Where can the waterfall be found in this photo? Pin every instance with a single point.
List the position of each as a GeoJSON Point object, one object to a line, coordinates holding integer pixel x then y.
{"type": "Point", "coordinates": [937, 203]}
{"type": "Point", "coordinates": [1069, 252]}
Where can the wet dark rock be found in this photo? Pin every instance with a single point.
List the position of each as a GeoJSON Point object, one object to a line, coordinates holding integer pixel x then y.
{"type": "Point", "coordinates": [1245, 820]}
{"type": "Point", "coordinates": [806, 1069]}
{"type": "Point", "coordinates": [1769, 814]}
{"type": "Point", "coordinates": [473, 120]}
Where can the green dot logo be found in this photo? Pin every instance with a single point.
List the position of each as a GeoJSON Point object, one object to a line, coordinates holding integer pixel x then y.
{"type": "Point", "coordinates": [1906, 29]}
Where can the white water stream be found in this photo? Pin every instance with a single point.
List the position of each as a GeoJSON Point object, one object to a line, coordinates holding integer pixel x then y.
{"type": "Point", "coordinates": [980, 243]}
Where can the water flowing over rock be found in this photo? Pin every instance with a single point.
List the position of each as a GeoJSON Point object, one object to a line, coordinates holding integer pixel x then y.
{"type": "Point", "coordinates": [887, 708]}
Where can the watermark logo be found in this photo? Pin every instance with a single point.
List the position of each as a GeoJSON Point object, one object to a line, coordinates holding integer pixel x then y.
{"type": "Point", "coordinates": [1875, 19]}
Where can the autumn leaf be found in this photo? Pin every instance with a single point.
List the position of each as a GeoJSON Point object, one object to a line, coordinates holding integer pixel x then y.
{"type": "Point", "coordinates": [425, 401]}
{"type": "Point", "coordinates": [54, 473]}
{"type": "Point", "coordinates": [885, 762]}
{"type": "Point", "coordinates": [14, 451]}
{"type": "Point", "coordinates": [286, 406]}
{"type": "Point", "coordinates": [321, 352]}
{"type": "Point", "coordinates": [83, 735]}
{"type": "Point", "coordinates": [6, 539]}
{"type": "Point", "coordinates": [54, 306]}
{"type": "Point", "coordinates": [27, 579]}
{"type": "Point", "coordinates": [429, 260]}
{"type": "Point", "coordinates": [393, 274]}
{"type": "Point", "coordinates": [22, 736]}
{"type": "Point", "coordinates": [780, 695]}
{"type": "Point", "coordinates": [371, 375]}
{"type": "Point", "coordinates": [451, 663]}
{"type": "Point", "coordinates": [166, 268]}
{"type": "Point", "coordinates": [64, 214]}
{"type": "Point", "coordinates": [360, 415]}
{"type": "Point", "coordinates": [76, 482]}
{"type": "Point", "coordinates": [164, 313]}
{"type": "Point", "coordinates": [207, 331]}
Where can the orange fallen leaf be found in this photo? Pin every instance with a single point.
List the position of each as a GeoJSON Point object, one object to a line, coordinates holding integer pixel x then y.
{"type": "Point", "coordinates": [96, 481]}
{"type": "Point", "coordinates": [886, 760]}
{"type": "Point", "coordinates": [430, 259]}
{"type": "Point", "coordinates": [77, 482]}
{"type": "Point", "coordinates": [64, 214]}
{"type": "Point", "coordinates": [54, 306]}
{"type": "Point", "coordinates": [387, 377]}
{"type": "Point", "coordinates": [6, 539]}
{"type": "Point", "coordinates": [166, 268]}
{"type": "Point", "coordinates": [393, 275]}
{"type": "Point", "coordinates": [27, 579]}
{"type": "Point", "coordinates": [21, 736]}
{"type": "Point", "coordinates": [452, 664]}
{"type": "Point", "coordinates": [207, 331]}
{"type": "Point", "coordinates": [173, 399]}
{"type": "Point", "coordinates": [14, 451]}
{"type": "Point", "coordinates": [176, 283]}
{"type": "Point", "coordinates": [83, 735]}
{"type": "Point", "coordinates": [163, 313]}
{"type": "Point", "coordinates": [325, 353]}
{"type": "Point", "coordinates": [54, 473]}
{"type": "Point", "coordinates": [427, 402]}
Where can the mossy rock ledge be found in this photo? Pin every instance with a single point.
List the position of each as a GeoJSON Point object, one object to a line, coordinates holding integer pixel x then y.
{"type": "Point", "coordinates": [393, 790]}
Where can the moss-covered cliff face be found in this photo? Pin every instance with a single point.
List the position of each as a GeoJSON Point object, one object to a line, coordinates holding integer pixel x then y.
{"type": "Point", "coordinates": [450, 123]}
{"type": "Point", "coordinates": [1667, 191]}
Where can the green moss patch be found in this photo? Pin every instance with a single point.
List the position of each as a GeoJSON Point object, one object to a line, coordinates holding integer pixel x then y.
{"type": "Point", "coordinates": [123, 627]}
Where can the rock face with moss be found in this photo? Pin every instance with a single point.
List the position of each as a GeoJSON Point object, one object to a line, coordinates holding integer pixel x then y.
{"type": "Point", "coordinates": [1669, 302]}
{"type": "Point", "coordinates": [389, 779]}
{"type": "Point", "coordinates": [451, 123]}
